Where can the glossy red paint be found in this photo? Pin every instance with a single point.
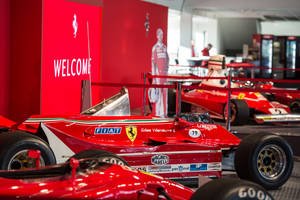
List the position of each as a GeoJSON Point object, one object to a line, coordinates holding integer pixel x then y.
{"type": "Point", "coordinates": [214, 101]}
{"type": "Point", "coordinates": [286, 98]}
{"type": "Point", "coordinates": [152, 136]}
{"type": "Point", "coordinates": [4, 122]}
{"type": "Point", "coordinates": [101, 181]}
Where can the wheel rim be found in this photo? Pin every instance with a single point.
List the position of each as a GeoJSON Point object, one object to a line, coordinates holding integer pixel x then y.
{"type": "Point", "coordinates": [271, 162]}
{"type": "Point", "coordinates": [21, 160]}
{"type": "Point", "coordinates": [233, 112]}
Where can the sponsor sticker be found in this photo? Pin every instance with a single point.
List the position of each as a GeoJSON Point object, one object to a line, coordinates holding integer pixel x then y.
{"type": "Point", "coordinates": [181, 168]}
{"type": "Point", "coordinates": [160, 159]}
{"type": "Point", "coordinates": [108, 130]}
{"type": "Point", "coordinates": [159, 169]}
{"type": "Point", "coordinates": [208, 127]}
{"type": "Point", "coordinates": [194, 133]}
{"type": "Point", "coordinates": [198, 167]}
{"type": "Point", "coordinates": [131, 132]}
{"type": "Point", "coordinates": [241, 96]}
{"type": "Point", "coordinates": [277, 111]}
{"type": "Point", "coordinates": [174, 168]}
{"type": "Point", "coordinates": [214, 166]}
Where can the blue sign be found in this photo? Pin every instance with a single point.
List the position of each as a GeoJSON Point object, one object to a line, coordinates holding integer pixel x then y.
{"type": "Point", "coordinates": [108, 130]}
{"type": "Point", "coordinates": [198, 167]}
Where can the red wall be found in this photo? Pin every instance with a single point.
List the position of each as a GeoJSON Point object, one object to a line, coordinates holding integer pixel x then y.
{"type": "Point", "coordinates": [67, 58]}
{"type": "Point", "coordinates": [4, 56]}
{"type": "Point", "coordinates": [25, 58]}
{"type": "Point", "coordinates": [126, 48]}
{"type": "Point", "coordinates": [126, 51]}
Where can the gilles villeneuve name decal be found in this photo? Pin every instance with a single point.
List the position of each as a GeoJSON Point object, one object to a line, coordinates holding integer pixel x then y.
{"type": "Point", "coordinates": [72, 67]}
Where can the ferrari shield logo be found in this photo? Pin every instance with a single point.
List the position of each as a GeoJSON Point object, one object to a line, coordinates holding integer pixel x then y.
{"type": "Point", "coordinates": [131, 132]}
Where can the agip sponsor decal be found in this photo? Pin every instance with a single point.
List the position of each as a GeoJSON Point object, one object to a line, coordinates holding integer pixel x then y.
{"type": "Point", "coordinates": [108, 130]}
{"type": "Point", "coordinates": [131, 132]}
{"type": "Point", "coordinates": [160, 159]}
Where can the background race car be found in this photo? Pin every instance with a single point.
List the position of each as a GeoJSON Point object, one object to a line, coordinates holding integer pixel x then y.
{"type": "Point", "coordinates": [212, 97]}
{"type": "Point", "coordinates": [291, 99]}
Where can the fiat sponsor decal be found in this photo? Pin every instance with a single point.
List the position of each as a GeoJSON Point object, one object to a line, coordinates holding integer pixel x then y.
{"type": "Point", "coordinates": [108, 130]}
{"type": "Point", "coordinates": [194, 133]}
{"type": "Point", "coordinates": [160, 159]}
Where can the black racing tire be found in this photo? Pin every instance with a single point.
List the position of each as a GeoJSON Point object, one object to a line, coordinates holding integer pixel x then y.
{"type": "Point", "coordinates": [295, 106]}
{"type": "Point", "coordinates": [14, 147]}
{"type": "Point", "coordinates": [231, 189]}
{"type": "Point", "coordinates": [264, 158]}
{"type": "Point", "coordinates": [239, 112]}
{"type": "Point", "coordinates": [103, 156]}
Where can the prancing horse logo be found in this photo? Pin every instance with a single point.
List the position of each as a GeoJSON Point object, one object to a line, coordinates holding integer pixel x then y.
{"type": "Point", "coordinates": [75, 25]}
{"type": "Point", "coordinates": [131, 132]}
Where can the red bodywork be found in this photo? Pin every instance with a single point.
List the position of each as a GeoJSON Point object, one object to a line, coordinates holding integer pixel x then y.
{"type": "Point", "coordinates": [214, 101]}
{"type": "Point", "coordinates": [174, 149]}
{"type": "Point", "coordinates": [94, 181]}
{"type": "Point", "coordinates": [287, 98]}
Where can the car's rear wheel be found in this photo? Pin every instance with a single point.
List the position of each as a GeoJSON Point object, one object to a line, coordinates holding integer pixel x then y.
{"type": "Point", "coordinates": [295, 106]}
{"type": "Point", "coordinates": [231, 189]}
{"type": "Point", "coordinates": [239, 112]}
{"type": "Point", "coordinates": [14, 148]}
{"type": "Point", "coordinates": [103, 156]}
{"type": "Point", "coordinates": [265, 159]}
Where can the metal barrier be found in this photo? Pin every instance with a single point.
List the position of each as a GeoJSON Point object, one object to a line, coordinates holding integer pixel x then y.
{"type": "Point", "coordinates": [179, 86]}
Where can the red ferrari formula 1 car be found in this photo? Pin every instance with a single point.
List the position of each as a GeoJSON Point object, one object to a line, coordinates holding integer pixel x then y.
{"type": "Point", "coordinates": [287, 98]}
{"type": "Point", "coordinates": [243, 104]}
{"type": "Point", "coordinates": [172, 148]}
{"type": "Point", "coordinates": [90, 179]}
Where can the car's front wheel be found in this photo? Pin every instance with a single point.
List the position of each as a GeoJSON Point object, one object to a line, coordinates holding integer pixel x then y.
{"type": "Point", "coordinates": [14, 148]}
{"type": "Point", "coordinates": [264, 158]}
{"type": "Point", "coordinates": [231, 189]}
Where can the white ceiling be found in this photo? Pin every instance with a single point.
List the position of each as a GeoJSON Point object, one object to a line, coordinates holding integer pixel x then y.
{"type": "Point", "coordinates": [262, 9]}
